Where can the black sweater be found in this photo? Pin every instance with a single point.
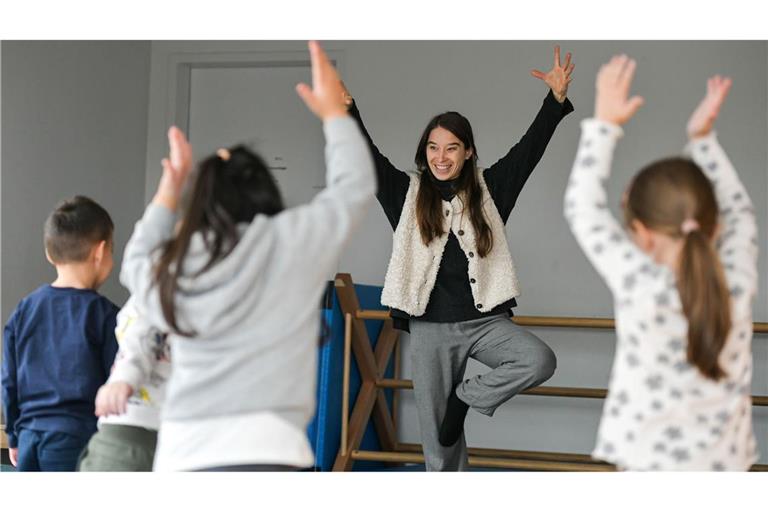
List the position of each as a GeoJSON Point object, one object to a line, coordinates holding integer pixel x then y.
{"type": "Point", "coordinates": [451, 299]}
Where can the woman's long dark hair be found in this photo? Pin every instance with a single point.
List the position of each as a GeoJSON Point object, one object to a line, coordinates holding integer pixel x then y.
{"type": "Point", "coordinates": [429, 211]}
{"type": "Point", "coordinates": [218, 195]}
{"type": "Point", "coordinates": [662, 196]}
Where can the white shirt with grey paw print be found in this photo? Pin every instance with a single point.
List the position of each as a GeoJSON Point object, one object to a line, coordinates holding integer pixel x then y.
{"type": "Point", "coordinates": [661, 413]}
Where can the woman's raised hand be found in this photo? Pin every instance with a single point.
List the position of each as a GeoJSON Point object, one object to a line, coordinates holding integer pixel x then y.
{"type": "Point", "coordinates": [558, 77]}
{"type": "Point", "coordinates": [326, 96]}
{"type": "Point", "coordinates": [702, 119]}
{"type": "Point", "coordinates": [612, 102]}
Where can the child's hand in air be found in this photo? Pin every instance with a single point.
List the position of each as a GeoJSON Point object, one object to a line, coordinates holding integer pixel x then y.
{"type": "Point", "coordinates": [326, 97]}
{"type": "Point", "coordinates": [703, 118]}
{"type": "Point", "coordinates": [614, 79]}
{"type": "Point", "coordinates": [176, 168]}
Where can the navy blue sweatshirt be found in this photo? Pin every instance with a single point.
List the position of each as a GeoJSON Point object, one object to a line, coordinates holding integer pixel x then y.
{"type": "Point", "coordinates": [58, 349]}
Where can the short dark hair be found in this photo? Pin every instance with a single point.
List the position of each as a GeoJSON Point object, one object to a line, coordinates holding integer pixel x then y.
{"type": "Point", "coordinates": [74, 227]}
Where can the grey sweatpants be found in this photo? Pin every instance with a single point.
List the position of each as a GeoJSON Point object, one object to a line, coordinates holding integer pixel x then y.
{"type": "Point", "coordinates": [439, 353]}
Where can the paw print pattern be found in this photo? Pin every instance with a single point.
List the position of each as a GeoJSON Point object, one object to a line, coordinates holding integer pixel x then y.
{"type": "Point", "coordinates": [675, 345]}
{"type": "Point", "coordinates": [654, 382]}
{"type": "Point", "coordinates": [673, 433]}
{"type": "Point", "coordinates": [662, 299]}
{"type": "Point", "coordinates": [680, 454]}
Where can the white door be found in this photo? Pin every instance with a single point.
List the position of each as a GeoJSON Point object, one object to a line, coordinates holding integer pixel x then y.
{"type": "Point", "coordinates": [259, 107]}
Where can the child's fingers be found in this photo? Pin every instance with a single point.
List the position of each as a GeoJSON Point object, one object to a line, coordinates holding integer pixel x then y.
{"type": "Point", "coordinates": [557, 56]}
{"type": "Point", "coordinates": [628, 73]}
{"type": "Point", "coordinates": [318, 62]}
{"type": "Point", "coordinates": [307, 96]}
{"type": "Point", "coordinates": [538, 74]}
{"type": "Point", "coordinates": [634, 104]}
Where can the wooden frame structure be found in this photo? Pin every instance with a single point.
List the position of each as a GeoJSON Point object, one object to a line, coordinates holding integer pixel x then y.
{"type": "Point", "coordinates": [371, 400]}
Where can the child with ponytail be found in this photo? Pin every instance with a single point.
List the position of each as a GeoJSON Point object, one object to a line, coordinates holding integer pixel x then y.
{"type": "Point", "coordinates": [683, 281]}
{"type": "Point", "coordinates": [236, 287]}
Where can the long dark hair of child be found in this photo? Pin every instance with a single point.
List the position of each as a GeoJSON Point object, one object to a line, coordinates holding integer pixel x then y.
{"type": "Point", "coordinates": [662, 197]}
{"type": "Point", "coordinates": [429, 212]}
{"type": "Point", "coordinates": [222, 192]}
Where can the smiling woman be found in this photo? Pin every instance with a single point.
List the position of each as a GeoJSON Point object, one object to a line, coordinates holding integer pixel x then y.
{"type": "Point", "coordinates": [451, 279]}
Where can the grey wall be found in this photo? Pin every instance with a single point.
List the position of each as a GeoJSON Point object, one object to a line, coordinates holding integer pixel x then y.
{"type": "Point", "coordinates": [74, 121]}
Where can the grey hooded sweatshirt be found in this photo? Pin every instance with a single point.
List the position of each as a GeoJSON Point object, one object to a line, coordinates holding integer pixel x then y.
{"type": "Point", "coordinates": [256, 311]}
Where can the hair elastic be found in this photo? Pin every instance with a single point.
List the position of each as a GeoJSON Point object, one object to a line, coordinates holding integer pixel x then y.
{"type": "Point", "coordinates": [689, 225]}
{"type": "Point", "coordinates": [223, 153]}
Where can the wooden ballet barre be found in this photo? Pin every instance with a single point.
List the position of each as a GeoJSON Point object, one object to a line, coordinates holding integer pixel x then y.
{"type": "Point", "coordinates": [543, 321]}
{"type": "Point", "coordinates": [544, 391]}
{"type": "Point", "coordinates": [516, 454]}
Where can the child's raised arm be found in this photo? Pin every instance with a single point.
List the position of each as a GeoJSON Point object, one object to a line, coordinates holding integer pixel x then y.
{"type": "Point", "coordinates": [156, 226]}
{"type": "Point", "coordinates": [738, 228]}
{"type": "Point", "coordinates": [598, 233]}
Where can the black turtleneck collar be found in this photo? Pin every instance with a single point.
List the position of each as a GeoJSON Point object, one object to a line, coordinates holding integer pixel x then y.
{"type": "Point", "coordinates": [447, 188]}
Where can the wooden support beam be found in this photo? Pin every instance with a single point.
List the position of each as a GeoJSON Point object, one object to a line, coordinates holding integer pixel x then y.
{"type": "Point", "coordinates": [484, 462]}
{"type": "Point", "coordinates": [361, 413]}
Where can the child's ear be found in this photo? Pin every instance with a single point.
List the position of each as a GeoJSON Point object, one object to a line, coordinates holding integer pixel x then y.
{"type": "Point", "coordinates": [99, 250]}
{"type": "Point", "coordinates": [642, 235]}
{"type": "Point", "coordinates": [48, 257]}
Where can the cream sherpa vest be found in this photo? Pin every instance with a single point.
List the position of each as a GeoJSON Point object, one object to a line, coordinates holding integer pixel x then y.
{"type": "Point", "coordinates": [413, 266]}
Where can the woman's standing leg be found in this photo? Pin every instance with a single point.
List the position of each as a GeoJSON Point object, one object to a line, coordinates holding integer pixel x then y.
{"type": "Point", "coordinates": [438, 357]}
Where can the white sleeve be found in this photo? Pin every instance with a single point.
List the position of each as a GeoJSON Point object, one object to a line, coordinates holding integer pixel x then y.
{"type": "Point", "coordinates": [138, 341]}
{"type": "Point", "coordinates": [598, 233]}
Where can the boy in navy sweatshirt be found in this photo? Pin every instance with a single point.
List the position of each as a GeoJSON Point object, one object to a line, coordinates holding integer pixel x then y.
{"type": "Point", "coordinates": [59, 343]}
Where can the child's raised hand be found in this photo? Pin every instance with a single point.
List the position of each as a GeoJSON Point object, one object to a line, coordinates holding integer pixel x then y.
{"type": "Point", "coordinates": [611, 98]}
{"type": "Point", "coordinates": [326, 96]}
{"type": "Point", "coordinates": [703, 118]}
{"type": "Point", "coordinates": [112, 398]}
{"type": "Point", "coordinates": [558, 77]}
{"type": "Point", "coordinates": [175, 169]}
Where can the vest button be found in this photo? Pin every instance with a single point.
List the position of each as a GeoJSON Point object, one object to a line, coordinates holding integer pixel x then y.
{"type": "Point", "coordinates": [447, 212]}
{"type": "Point", "coordinates": [471, 254]}
{"type": "Point", "coordinates": [472, 280]}
{"type": "Point", "coordinates": [479, 306]}
{"type": "Point", "coordinates": [461, 232]}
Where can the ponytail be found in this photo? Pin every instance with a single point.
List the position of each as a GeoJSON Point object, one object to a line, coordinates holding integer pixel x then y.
{"type": "Point", "coordinates": [172, 254]}
{"type": "Point", "coordinates": [228, 188]}
{"type": "Point", "coordinates": [706, 303]}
